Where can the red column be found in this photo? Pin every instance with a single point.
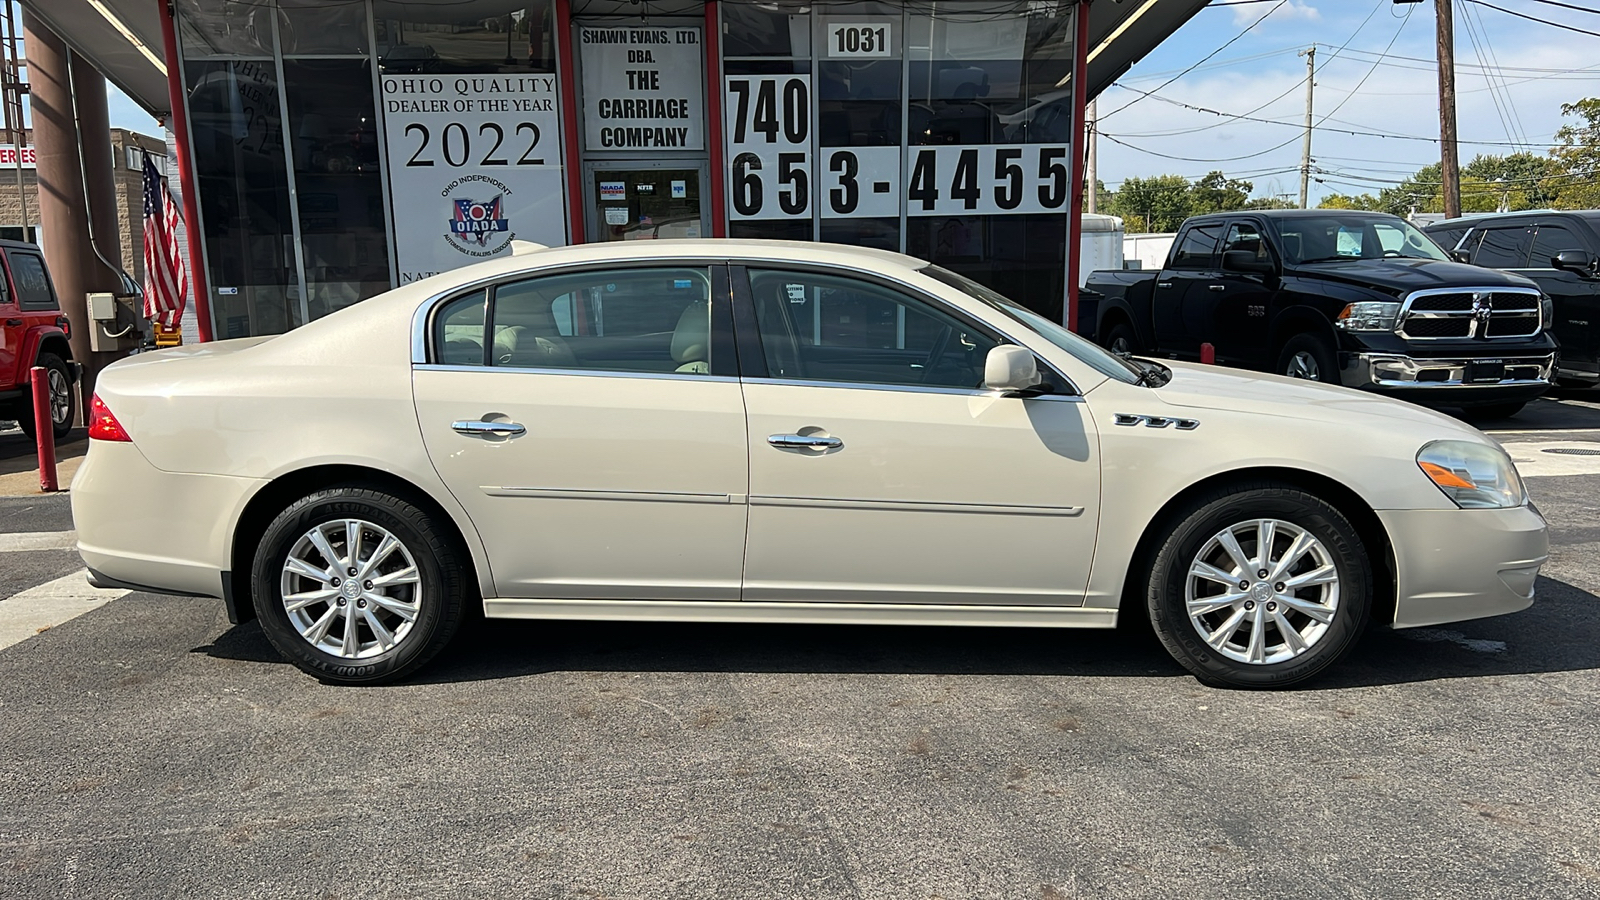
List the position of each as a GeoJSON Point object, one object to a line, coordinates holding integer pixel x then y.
{"type": "Point", "coordinates": [719, 221]}
{"type": "Point", "coordinates": [186, 176]}
{"type": "Point", "coordinates": [1080, 75]}
{"type": "Point", "coordinates": [569, 120]}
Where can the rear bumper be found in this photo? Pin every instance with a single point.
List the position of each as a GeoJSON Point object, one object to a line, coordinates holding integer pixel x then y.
{"type": "Point", "coordinates": [1457, 564]}
{"type": "Point", "coordinates": [1450, 381]}
{"type": "Point", "coordinates": [157, 531]}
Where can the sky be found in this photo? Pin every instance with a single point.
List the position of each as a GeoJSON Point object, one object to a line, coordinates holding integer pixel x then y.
{"type": "Point", "coordinates": [1262, 71]}
{"type": "Point", "coordinates": [1383, 80]}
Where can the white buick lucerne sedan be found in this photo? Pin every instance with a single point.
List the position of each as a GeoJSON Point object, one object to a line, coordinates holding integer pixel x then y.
{"type": "Point", "coordinates": [751, 431]}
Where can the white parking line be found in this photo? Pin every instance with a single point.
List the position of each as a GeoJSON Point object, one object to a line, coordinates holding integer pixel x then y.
{"type": "Point", "coordinates": [26, 614]}
{"type": "Point", "coordinates": [1533, 458]}
{"type": "Point", "coordinates": [38, 540]}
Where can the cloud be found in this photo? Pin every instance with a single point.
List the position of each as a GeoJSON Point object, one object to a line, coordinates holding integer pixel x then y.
{"type": "Point", "coordinates": [1295, 9]}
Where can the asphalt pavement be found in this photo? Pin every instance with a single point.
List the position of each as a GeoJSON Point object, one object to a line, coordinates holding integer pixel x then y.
{"type": "Point", "coordinates": [150, 749]}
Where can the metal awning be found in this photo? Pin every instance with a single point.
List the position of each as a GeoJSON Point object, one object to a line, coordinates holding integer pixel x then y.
{"type": "Point", "coordinates": [123, 39]}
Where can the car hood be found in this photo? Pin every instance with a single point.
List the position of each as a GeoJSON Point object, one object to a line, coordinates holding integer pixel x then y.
{"type": "Point", "coordinates": [1400, 276]}
{"type": "Point", "coordinates": [1200, 387]}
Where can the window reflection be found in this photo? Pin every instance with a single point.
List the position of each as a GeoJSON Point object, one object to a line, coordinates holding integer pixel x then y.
{"type": "Point", "coordinates": [498, 36]}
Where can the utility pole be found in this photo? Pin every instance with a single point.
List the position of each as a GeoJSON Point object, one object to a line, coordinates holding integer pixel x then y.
{"type": "Point", "coordinates": [1449, 162]}
{"type": "Point", "coordinates": [1310, 53]}
{"type": "Point", "coordinates": [1091, 167]}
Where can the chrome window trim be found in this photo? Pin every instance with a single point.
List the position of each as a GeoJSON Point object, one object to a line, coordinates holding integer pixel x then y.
{"type": "Point", "coordinates": [582, 373]}
{"type": "Point", "coordinates": [422, 317]}
{"type": "Point", "coordinates": [908, 388]}
{"type": "Point", "coordinates": [1472, 330]}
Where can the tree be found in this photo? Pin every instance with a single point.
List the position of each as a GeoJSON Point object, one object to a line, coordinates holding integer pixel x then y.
{"type": "Point", "coordinates": [1218, 193]}
{"type": "Point", "coordinates": [1157, 203]}
{"type": "Point", "coordinates": [1578, 156]}
{"type": "Point", "coordinates": [1349, 201]}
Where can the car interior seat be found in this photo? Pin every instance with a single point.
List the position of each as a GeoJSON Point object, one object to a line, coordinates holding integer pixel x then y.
{"type": "Point", "coordinates": [525, 332]}
{"type": "Point", "coordinates": [691, 339]}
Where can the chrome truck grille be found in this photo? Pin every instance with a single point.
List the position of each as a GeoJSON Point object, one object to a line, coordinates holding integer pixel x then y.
{"type": "Point", "coordinates": [1461, 313]}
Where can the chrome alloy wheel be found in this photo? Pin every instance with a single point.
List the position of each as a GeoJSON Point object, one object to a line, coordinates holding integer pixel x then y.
{"type": "Point", "coordinates": [351, 588]}
{"type": "Point", "coordinates": [60, 396]}
{"type": "Point", "coordinates": [1262, 591]}
{"type": "Point", "coordinates": [1304, 365]}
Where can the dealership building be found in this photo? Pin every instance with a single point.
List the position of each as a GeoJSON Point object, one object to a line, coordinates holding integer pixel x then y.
{"type": "Point", "coordinates": [324, 152]}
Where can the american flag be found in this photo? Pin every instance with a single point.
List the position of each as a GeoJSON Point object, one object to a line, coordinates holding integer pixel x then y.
{"type": "Point", "coordinates": [166, 282]}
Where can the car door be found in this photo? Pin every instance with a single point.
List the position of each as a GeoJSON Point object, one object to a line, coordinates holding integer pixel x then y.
{"type": "Point", "coordinates": [1182, 290]}
{"type": "Point", "coordinates": [1576, 296]}
{"type": "Point", "coordinates": [882, 471]}
{"type": "Point", "coordinates": [12, 329]}
{"type": "Point", "coordinates": [591, 424]}
{"type": "Point", "coordinates": [1503, 246]}
{"type": "Point", "coordinates": [1236, 316]}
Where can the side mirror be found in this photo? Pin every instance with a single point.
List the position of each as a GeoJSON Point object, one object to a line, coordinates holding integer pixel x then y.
{"type": "Point", "coordinates": [1010, 369]}
{"type": "Point", "coordinates": [1580, 261]}
{"type": "Point", "coordinates": [1461, 256]}
{"type": "Point", "coordinates": [1245, 261]}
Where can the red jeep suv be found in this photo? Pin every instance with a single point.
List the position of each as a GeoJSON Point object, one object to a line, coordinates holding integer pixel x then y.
{"type": "Point", "coordinates": [33, 332]}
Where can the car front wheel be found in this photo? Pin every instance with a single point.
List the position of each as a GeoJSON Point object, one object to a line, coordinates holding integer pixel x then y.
{"type": "Point", "coordinates": [357, 586]}
{"type": "Point", "coordinates": [1309, 357]}
{"type": "Point", "coordinates": [1263, 586]}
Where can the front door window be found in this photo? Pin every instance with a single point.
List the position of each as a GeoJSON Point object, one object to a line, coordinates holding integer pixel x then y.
{"type": "Point", "coordinates": [647, 204]}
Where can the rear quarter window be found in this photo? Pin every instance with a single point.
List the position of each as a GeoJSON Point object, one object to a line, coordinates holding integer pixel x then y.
{"type": "Point", "coordinates": [33, 285]}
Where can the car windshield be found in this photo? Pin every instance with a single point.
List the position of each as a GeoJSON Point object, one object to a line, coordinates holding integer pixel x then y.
{"type": "Point", "coordinates": [1336, 237]}
{"type": "Point", "coordinates": [1095, 357]}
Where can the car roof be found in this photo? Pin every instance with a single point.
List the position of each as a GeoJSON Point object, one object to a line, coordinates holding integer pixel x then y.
{"type": "Point", "coordinates": [1481, 218]}
{"type": "Point", "coordinates": [710, 249]}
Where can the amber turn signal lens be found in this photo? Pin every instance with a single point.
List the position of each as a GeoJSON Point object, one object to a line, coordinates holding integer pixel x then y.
{"type": "Point", "coordinates": [1444, 477]}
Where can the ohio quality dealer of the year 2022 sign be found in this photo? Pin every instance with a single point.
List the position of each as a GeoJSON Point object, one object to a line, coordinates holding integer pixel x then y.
{"type": "Point", "coordinates": [474, 162]}
{"type": "Point", "coordinates": [642, 88]}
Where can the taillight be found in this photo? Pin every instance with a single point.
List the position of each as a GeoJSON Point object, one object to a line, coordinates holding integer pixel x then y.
{"type": "Point", "coordinates": [65, 324]}
{"type": "Point", "coordinates": [103, 426]}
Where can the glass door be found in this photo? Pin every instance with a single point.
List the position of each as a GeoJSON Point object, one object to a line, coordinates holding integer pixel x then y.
{"type": "Point", "coordinates": [639, 203]}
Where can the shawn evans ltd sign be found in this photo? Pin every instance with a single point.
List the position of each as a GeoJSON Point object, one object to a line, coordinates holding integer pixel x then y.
{"type": "Point", "coordinates": [642, 88]}
{"type": "Point", "coordinates": [474, 162]}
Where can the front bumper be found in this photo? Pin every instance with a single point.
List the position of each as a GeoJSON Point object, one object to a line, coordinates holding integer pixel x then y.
{"type": "Point", "coordinates": [1449, 380]}
{"type": "Point", "coordinates": [1456, 564]}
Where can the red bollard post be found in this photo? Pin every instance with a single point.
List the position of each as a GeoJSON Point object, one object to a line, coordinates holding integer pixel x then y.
{"type": "Point", "coordinates": [1208, 354]}
{"type": "Point", "coordinates": [44, 429]}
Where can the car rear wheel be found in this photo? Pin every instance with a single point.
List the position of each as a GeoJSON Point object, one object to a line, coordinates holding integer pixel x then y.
{"type": "Point", "coordinates": [1309, 357]}
{"type": "Point", "coordinates": [357, 586]}
{"type": "Point", "coordinates": [1258, 587]}
{"type": "Point", "coordinates": [62, 404]}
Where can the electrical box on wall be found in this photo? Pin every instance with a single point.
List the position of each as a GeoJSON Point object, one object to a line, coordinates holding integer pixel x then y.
{"type": "Point", "coordinates": [114, 322]}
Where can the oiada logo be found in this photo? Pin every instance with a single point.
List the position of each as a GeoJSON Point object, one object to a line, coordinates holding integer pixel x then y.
{"type": "Point", "coordinates": [479, 228]}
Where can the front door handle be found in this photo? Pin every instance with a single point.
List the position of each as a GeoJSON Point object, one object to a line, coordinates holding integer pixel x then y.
{"type": "Point", "coordinates": [1217, 287]}
{"type": "Point", "coordinates": [13, 322]}
{"type": "Point", "coordinates": [816, 442]}
{"type": "Point", "coordinates": [475, 427]}
{"type": "Point", "coordinates": [1163, 284]}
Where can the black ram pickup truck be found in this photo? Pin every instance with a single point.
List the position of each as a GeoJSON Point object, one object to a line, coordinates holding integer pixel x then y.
{"type": "Point", "coordinates": [1558, 251]}
{"type": "Point", "coordinates": [1354, 298]}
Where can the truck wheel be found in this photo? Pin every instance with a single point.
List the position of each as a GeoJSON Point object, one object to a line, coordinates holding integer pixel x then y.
{"type": "Point", "coordinates": [1259, 585]}
{"type": "Point", "coordinates": [62, 404]}
{"type": "Point", "coordinates": [1308, 356]}
{"type": "Point", "coordinates": [1121, 340]}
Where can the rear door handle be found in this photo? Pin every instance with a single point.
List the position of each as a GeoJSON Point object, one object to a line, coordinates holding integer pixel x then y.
{"type": "Point", "coordinates": [475, 427]}
{"type": "Point", "coordinates": [1217, 287]}
{"type": "Point", "coordinates": [804, 442]}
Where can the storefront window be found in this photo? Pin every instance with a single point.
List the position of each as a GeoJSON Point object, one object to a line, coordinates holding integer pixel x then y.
{"type": "Point", "coordinates": [229, 29]}
{"type": "Point", "coordinates": [497, 36]}
{"type": "Point", "coordinates": [319, 28]}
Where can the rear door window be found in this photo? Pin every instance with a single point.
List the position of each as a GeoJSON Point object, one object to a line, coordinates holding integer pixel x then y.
{"type": "Point", "coordinates": [33, 285]}
{"type": "Point", "coordinates": [1504, 248]}
{"type": "Point", "coordinates": [1198, 247]}
{"type": "Point", "coordinates": [1550, 240]}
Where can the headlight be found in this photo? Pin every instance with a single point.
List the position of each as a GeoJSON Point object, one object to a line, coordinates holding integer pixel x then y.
{"type": "Point", "coordinates": [1475, 476]}
{"type": "Point", "coordinates": [1369, 315]}
{"type": "Point", "coordinates": [1547, 311]}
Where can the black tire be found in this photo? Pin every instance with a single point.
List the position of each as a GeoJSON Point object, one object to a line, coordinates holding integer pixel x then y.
{"type": "Point", "coordinates": [1494, 410]}
{"type": "Point", "coordinates": [1121, 338]}
{"type": "Point", "coordinates": [1192, 530]}
{"type": "Point", "coordinates": [62, 414]}
{"type": "Point", "coordinates": [441, 579]}
{"type": "Point", "coordinates": [1317, 354]}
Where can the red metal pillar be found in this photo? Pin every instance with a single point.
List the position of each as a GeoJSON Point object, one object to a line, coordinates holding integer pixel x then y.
{"type": "Point", "coordinates": [713, 125]}
{"type": "Point", "coordinates": [1080, 75]}
{"type": "Point", "coordinates": [569, 121]}
{"type": "Point", "coordinates": [186, 177]}
{"type": "Point", "coordinates": [44, 427]}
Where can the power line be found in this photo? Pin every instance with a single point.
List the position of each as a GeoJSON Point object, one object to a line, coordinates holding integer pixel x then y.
{"type": "Point", "coordinates": [1208, 56]}
{"type": "Point", "coordinates": [1512, 12]}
